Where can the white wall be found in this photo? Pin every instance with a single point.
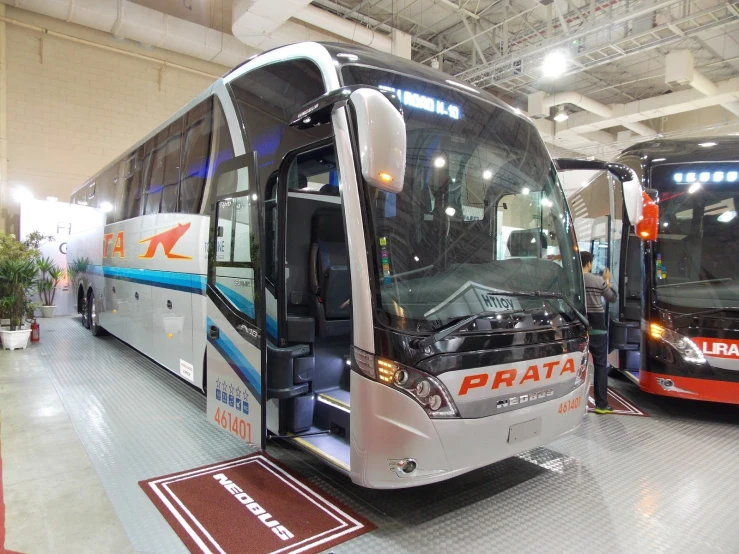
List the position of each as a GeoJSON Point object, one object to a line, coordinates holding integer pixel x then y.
{"type": "Point", "coordinates": [72, 108]}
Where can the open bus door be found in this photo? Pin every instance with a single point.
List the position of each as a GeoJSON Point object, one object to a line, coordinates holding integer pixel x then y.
{"type": "Point", "coordinates": [623, 327]}
{"type": "Point", "coordinates": [235, 314]}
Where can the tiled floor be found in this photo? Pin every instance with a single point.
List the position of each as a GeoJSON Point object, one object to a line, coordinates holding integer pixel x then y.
{"type": "Point", "coordinates": [82, 420]}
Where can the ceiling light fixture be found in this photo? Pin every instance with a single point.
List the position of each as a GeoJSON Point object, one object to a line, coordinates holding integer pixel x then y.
{"type": "Point", "coordinates": [554, 65]}
{"type": "Point", "coordinates": [561, 115]}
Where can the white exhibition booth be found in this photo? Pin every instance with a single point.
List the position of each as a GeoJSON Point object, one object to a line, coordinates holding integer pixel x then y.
{"type": "Point", "coordinates": [59, 220]}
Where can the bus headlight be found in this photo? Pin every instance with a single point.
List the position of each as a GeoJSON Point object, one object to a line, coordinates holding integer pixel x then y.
{"type": "Point", "coordinates": [684, 346]}
{"type": "Point", "coordinates": [582, 371]}
{"type": "Point", "coordinates": [425, 389]}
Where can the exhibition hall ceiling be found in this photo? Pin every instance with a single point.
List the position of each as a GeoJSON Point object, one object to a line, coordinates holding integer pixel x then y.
{"type": "Point", "coordinates": [609, 84]}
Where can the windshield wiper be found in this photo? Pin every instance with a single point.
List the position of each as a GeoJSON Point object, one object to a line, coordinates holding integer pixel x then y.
{"type": "Point", "coordinates": [458, 324]}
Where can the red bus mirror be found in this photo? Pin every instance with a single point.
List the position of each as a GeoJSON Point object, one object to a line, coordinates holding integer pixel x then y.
{"type": "Point", "coordinates": [648, 226]}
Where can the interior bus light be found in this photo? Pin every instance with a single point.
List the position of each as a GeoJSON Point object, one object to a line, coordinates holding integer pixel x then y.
{"type": "Point", "coordinates": [726, 216]}
{"type": "Point", "coordinates": [487, 174]}
{"type": "Point", "coordinates": [731, 176]}
{"type": "Point", "coordinates": [718, 176]}
{"type": "Point", "coordinates": [705, 176]}
{"type": "Point", "coordinates": [690, 177]}
{"type": "Point", "coordinates": [450, 211]}
{"type": "Point", "coordinates": [695, 187]}
{"type": "Point", "coordinates": [678, 177]}
{"type": "Point", "coordinates": [386, 177]}
{"type": "Point", "coordinates": [439, 162]}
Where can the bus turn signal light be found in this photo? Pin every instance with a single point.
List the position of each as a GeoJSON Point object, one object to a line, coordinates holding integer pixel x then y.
{"type": "Point", "coordinates": [648, 226]}
{"type": "Point", "coordinates": [656, 330]}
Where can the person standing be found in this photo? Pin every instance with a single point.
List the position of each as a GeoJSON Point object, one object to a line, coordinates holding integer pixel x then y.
{"type": "Point", "coordinates": [597, 288]}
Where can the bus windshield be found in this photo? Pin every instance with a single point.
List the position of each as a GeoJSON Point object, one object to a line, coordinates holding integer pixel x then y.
{"type": "Point", "coordinates": [697, 253]}
{"type": "Point", "coordinates": [481, 216]}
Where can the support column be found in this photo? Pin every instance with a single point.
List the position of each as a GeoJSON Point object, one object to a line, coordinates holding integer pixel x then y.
{"type": "Point", "coordinates": [4, 193]}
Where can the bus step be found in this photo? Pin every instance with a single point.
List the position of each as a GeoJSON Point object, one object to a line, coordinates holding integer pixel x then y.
{"type": "Point", "coordinates": [332, 410]}
{"type": "Point", "coordinates": [331, 448]}
{"type": "Point", "coordinates": [632, 375]}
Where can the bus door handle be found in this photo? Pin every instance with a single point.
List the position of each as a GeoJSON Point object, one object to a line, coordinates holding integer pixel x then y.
{"type": "Point", "coordinates": [213, 332]}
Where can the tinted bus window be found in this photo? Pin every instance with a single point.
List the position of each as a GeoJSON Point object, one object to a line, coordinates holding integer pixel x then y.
{"type": "Point", "coordinates": [198, 130]}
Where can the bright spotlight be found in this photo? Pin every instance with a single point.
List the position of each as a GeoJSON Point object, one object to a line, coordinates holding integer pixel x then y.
{"type": "Point", "coordinates": [727, 216]}
{"type": "Point", "coordinates": [561, 115]}
{"type": "Point", "coordinates": [487, 174]}
{"type": "Point", "coordinates": [525, 190]}
{"type": "Point", "coordinates": [22, 194]}
{"type": "Point", "coordinates": [450, 211]}
{"type": "Point", "coordinates": [554, 65]}
{"type": "Point", "coordinates": [695, 187]}
{"type": "Point", "coordinates": [439, 162]}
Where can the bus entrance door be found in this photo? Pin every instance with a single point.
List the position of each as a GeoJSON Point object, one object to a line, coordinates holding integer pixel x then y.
{"type": "Point", "coordinates": [235, 320]}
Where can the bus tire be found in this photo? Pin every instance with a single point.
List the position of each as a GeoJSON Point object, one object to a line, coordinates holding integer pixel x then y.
{"type": "Point", "coordinates": [92, 316]}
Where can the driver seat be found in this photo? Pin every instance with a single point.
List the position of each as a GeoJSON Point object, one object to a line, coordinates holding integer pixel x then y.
{"type": "Point", "coordinates": [329, 274]}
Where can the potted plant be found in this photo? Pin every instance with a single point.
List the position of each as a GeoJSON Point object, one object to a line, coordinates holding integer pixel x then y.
{"type": "Point", "coordinates": [16, 276]}
{"type": "Point", "coordinates": [46, 285]}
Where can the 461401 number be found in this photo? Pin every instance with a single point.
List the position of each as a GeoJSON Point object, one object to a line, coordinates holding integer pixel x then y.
{"type": "Point", "coordinates": [573, 404]}
{"type": "Point", "coordinates": [233, 424]}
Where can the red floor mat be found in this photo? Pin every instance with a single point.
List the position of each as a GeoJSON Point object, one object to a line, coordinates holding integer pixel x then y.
{"type": "Point", "coordinates": [620, 405]}
{"type": "Point", "coordinates": [253, 505]}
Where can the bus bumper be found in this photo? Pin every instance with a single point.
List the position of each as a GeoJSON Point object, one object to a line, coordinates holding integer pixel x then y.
{"type": "Point", "coordinates": [393, 428]}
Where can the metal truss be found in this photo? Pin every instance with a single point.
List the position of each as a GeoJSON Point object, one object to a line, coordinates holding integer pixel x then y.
{"type": "Point", "coordinates": [522, 67]}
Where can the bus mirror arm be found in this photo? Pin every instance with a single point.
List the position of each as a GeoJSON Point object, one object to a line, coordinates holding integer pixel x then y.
{"type": "Point", "coordinates": [379, 130]}
{"type": "Point", "coordinates": [622, 172]}
{"type": "Point", "coordinates": [319, 110]}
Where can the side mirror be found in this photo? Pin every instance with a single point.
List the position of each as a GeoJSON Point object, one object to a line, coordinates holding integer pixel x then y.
{"type": "Point", "coordinates": [380, 131]}
{"type": "Point", "coordinates": [381, 138]}
{"type": "Point", "coordinates": [648, 226]}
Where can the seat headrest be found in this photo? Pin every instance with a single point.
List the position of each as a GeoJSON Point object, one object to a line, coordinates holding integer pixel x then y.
{"type": "Point", "coordinates": [527, 243]}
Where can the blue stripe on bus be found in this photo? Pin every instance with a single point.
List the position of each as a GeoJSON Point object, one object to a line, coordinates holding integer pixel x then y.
{"type": "Point", "coordinates": [236, 359]}
{"type": "Point", "coordinates": [185, 282]}
{"type": "Point", "coordinates": [245, 306]}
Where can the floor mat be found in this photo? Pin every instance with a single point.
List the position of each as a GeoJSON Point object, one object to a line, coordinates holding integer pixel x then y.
{"type": "Point", "coordinates": [251, 504]}
{"type": "Point", "coordinates": [620, 405]}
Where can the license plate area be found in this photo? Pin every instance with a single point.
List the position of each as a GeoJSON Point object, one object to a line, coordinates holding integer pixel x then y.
{"type": "Point", "coordinates": [526, 430]}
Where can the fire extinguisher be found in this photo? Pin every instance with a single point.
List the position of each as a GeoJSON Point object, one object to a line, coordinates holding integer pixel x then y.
{"type": "Point", "coordinates": [35, 331]}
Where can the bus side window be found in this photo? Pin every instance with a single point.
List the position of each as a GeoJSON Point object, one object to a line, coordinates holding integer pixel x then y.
{"type": "Point", "coordinates": [161, 194]}
{"type": "Point", "coordinates": [134, 184]}
{"type": "Point", "coordinates": [198, 124]}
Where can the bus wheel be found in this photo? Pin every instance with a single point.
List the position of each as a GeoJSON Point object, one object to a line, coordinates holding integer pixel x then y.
{"type": "Point", "coordinates": [92, 317]}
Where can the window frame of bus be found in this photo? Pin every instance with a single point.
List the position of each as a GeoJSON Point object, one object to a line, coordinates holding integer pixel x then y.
{"type": "Point", "coordinates": [249, 162]}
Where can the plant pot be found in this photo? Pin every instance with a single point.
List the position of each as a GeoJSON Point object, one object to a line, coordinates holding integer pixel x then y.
{"type": "Point", "coordinates": [13, 340]}
{"type": "Point", "coordinates": [48, 311]}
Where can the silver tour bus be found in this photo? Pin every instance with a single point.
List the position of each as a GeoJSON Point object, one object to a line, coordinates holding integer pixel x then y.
{"type": "Point", "coordinates": [353, 252]}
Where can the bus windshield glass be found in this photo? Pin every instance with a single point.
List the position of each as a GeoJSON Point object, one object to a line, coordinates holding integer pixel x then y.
{"type": "Point", "coordinates": [697, 253]}
{"type": "Point", "coordinates": [481, 217]}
